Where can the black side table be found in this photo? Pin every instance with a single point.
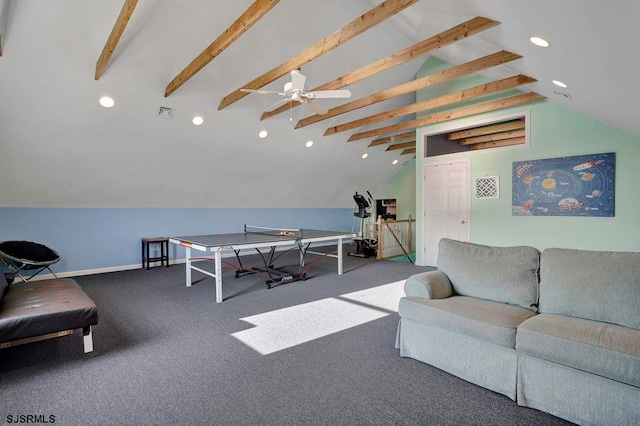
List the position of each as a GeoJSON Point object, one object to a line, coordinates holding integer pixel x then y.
{"type": "Point", "coordinates": [164, 251]}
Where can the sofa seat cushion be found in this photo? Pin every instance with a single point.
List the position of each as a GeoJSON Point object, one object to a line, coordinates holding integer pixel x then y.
{"type": "Point", "coordinates": [601, 348]}
{"type": "Point", "coordinates": [482, 319]}
{"type": "Point", "coordinates": [43, 307]}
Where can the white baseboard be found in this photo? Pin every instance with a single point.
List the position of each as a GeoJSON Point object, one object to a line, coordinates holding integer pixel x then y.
{"type": "Point", "coordinates": [119, 268]}
{"type": "Point", "coordinates": [82, 272]}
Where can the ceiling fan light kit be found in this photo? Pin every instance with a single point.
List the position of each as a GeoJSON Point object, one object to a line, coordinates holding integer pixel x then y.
{"type": "Point", "coordinates": [295, 90]}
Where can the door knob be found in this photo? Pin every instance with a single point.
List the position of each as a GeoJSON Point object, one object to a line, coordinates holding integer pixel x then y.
{"type": "Point", "coordinates": [463, 222]}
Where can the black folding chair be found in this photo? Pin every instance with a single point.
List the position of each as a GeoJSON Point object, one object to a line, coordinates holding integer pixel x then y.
{"type": "Point", "coordinates": [26, 255]}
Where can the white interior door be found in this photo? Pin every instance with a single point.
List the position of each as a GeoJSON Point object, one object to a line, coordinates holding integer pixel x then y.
{"type": "Point", "coordinates": [446, 206]}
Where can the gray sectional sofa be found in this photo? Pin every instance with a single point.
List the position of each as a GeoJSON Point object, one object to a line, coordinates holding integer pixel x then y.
{"type": "Point", "coordinates": [557, 331]}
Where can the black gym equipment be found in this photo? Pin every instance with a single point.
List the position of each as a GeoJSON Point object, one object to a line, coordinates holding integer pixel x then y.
{"type": "Point", "coordinates": [365, 247]}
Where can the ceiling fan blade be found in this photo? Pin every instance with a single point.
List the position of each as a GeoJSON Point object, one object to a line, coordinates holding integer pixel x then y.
{"type": "Point", "coordinates": [277, 104]}
{"type": "Point", "coordinates": [325, 94]}
{"type": "Point", "coordinates": [263, 92]}
{"type": "Point", "coordinates": [297, 80]}
{"type": "Point", "coordinates": [316, 108]}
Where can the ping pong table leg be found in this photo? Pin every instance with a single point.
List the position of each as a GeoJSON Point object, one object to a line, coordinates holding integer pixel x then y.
{"type": "Point", "coordinates": [302, 253]}
{"type": "Point", "coordinates": [218, 276]}
{"type": "Point", "coordinates": [188, 265]}
{"type": "Point", "coordinates": [339, 256]}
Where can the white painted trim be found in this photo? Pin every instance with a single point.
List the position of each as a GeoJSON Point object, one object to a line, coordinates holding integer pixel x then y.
{"type": "Point", "coordinates": [439, 128]}
{"type": "Point", "coordinates": [436, 129]}
{"type": "Point", "coordinates": [420, 257]}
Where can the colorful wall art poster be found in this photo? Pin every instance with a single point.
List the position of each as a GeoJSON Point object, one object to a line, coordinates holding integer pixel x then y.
{"type": "Point", "coordinates": [581, 185]}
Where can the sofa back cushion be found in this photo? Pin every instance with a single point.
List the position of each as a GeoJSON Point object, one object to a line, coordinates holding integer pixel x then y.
{"type": "Point", "coordinates": [501, 274]}
{"type": "Point", "coordinates": [594, 285]}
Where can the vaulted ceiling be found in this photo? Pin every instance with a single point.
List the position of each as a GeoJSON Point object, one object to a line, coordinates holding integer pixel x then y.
{"type": "Point", "coordinates": [60, 148]}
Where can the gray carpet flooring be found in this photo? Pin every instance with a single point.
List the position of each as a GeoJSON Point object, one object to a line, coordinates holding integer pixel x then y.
{"type": "Point", "coordinates": [164, 355]}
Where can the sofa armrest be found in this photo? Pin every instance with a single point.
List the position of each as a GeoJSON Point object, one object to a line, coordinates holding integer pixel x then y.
{"type": "Point", "coordinates": [429, 285]}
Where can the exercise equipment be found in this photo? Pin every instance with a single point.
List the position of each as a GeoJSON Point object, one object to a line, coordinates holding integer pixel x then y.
{"type": "Point", "coordinates": [365, 247]}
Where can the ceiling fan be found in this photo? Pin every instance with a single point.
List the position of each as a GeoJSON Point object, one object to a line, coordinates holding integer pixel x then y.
{"type": "Point", "coordinates": [296, 91]}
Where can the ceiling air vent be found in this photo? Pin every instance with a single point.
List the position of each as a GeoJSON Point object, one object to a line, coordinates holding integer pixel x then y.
{"type": "Point", "coordinates": [564, 95]}
{"type": "Point", "coordinates": [488, 187]}
{"type": "Point", "coordinates": [165, 112]}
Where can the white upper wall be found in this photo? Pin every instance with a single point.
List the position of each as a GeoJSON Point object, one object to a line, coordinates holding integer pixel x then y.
{"type": "Point", "coordinates": [58, 147]}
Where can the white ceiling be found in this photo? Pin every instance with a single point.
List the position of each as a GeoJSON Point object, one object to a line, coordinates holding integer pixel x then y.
{"type": "Point", "coordinates": [60, 148]}
{"type": "Point", "coordinates": [593, 49]}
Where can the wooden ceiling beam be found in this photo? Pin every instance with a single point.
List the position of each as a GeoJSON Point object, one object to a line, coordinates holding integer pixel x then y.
{"type": "Point", "coordinates": [373, 17]}
{"type": "Point", "coordinates": [466, 29]}
{"type": "Point", "coordinates": [444, 100]}
{"type": "Point", "coordinates": [253, 14]}
{"type": "Point", "coordinates": [394, 138]}
{"type": "Point", "coordinates": [486, 130]}
{"type": "Point", "coordinates": [415, 85]}
{"type": "Point", "coordinates": [401, 146]}
{"type": "Point", "coordinates": [439, 117]}
{"type": "Point", "coordinates": [492, 137]}
{"type": "Point", "coordinates": [114, 37]}
{"type": "Point", "coordinates": [408, 151]}
{"type": "Point", "coordinates": [497, 144]}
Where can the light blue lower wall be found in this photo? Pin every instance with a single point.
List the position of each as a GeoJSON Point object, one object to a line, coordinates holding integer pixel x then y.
{"type": "Point", "coordinates": [97, 238]}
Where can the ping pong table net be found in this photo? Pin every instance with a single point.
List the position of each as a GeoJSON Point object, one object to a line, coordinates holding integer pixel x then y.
{"type": "Point", "coordinates": [275, 232]}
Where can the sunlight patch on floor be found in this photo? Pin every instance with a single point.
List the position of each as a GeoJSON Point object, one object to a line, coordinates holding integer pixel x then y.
{"type": "Point", "coordinates": [384, 296]}
{"type": "Point", "coordinates": [288, 327]}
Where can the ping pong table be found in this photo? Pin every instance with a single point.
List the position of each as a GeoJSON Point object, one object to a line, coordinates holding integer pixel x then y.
{"type": "Point", "coordinates": [254, 237]}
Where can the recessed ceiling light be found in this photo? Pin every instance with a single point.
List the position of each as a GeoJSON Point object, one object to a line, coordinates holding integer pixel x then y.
{"type": "Point", "coordinates": [395, 162]}
{"type": "Point", "coordinates": [106, 102]}
{"type": "Point", "coordinates": [559, 83]}
{"type": "Point", "coordinates": [538, 41]}
{"type": "Point", "coordinates": [197, 120]}
{"type": "Point", "coordinates": [263, 134]}
{"type": "Point", "coordinates": [365, 155]}
{"type": "Point", "coordinates": [309, 144]}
